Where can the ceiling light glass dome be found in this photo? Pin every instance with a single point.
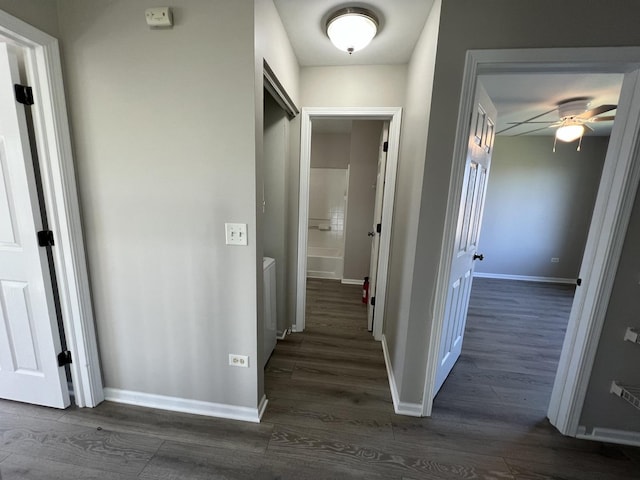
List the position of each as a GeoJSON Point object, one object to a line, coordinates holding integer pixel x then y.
{"type": "Point", "coordinates": [351, 29]}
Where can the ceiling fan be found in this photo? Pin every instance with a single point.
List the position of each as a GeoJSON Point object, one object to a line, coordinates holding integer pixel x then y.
{"type": "Point", "coordinates": [574, 115]}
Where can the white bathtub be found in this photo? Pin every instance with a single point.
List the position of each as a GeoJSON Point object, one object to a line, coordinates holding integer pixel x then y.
{"type": "Point", "coordinates": [325, 262]}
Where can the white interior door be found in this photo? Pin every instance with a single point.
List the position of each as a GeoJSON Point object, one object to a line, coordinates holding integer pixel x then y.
{"type": "Point", "coordinates": [29, 336]}
{"type": "Point", "coordinates": [472, 197]}
{"type": "Point", "coordinates": [377, 220]}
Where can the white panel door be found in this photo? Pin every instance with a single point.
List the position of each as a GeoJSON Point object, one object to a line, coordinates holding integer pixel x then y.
{"type": "Point", "coordinates": [29, 336]}
{"type": "Point", "coordinates": [377, 220]}
{"type": "Point", "coordinates": [472, 197]}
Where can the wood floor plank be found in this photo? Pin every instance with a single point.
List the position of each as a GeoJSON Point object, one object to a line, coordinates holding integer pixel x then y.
{"type": "Point", "coordinates": [570, 469]}
{"type": "Point", "coordinates": [276, 467]}
{"type": "Point", "coordinates": [8, 407]}
{"type": "Point", "coordinates": [165, 425]}
{"type": "Point", "coordinates": [333, 394]}
{"type": "Point", "coordinates": [175, 460]}
{"type": "Point", "coordinates": [322, 415]}
{"type": "Point", "coordinates": [24, 467]}
{"type": "Point", "coordinates": [389, 457]}
{"type": "Point", "coordinates": [101, 449]}
{"type": "Point", "coordinates": [319, 372]}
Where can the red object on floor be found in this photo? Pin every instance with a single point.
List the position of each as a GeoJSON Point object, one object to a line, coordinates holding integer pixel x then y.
{"type": "Point", "coordinates": [365, 290]}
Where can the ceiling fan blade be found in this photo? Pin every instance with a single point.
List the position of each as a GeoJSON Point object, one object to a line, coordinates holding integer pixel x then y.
{"type": "Point", "coordinates": [527, 120]}
{"type": "Point", "coordinates": [596, 111]}
{"type": "Point", "coordinates": [608, 118]}
{"type": "Point", "coordinates": [587, 127]}
{"type": "Point", "coordinates": [530, 131]}
{"type": "Point", "coordinates": [523, 123]}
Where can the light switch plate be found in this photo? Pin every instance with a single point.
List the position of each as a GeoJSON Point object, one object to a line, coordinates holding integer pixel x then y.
{"type": "Point", "coordinates": [235, 233]}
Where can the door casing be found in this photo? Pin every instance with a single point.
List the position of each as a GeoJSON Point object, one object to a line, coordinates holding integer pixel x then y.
{"type": "Point", "coordinates": [611, 215]}
{"type": "Point", "coordinates": [391, 114]}
{"type": "Point", "coordinates": [53, 141]}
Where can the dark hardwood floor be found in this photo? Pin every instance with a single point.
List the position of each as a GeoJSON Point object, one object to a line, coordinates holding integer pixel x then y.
{"type": "Point", "coordinates": [330, 414]}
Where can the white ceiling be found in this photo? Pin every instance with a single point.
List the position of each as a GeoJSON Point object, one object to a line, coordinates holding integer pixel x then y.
{"type": "Point", "coordinates": [523, 96]}
{"type": "Point", "coordinates": [401, 22]}
{"type": "Point", "coordinates": [517, 97]}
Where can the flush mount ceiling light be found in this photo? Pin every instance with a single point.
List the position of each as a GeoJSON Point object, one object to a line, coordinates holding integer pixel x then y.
{"type": "Point", "coordinates": [351, 29]}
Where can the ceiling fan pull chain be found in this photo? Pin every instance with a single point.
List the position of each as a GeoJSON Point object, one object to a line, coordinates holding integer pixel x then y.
{"type": "Point", "coordinates": [579, 143]}
{"type": "Point", "coordinates": [555, 140]}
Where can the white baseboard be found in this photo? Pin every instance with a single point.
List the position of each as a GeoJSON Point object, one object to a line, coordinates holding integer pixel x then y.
{"type": "Point", "coordinates": [525, 278]}
{"type": "Point", "coordinates": [186, 405]}
{"type": "Point", "coordinates": [611, 435]}
{"type": "Point", "coordinates": [262, 406]}
{"type": "Point", "coordinates": [351, 281]}
{"type": "Point", "coordinates": [401, 408]}
{"type": "Point", "coordinates": [323, 275]}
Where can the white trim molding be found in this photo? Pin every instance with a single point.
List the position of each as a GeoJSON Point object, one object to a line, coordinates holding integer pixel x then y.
{"type": "Point", "coordinates": [53, 141]}
{"type": "Point", "coordinates": [401, 408]}
{"type": "Point", "coordinates": [351, 281]}
{"type": "Point", "coordinates": [611, 215]}
{"type": "Point", "coordinates": [185, 405]}
{"type": "Point", "coordinates": [525, 278]}
{"type": "Point", "coordinates": [391, 114]}
{"type": "Point", "coordinates": [611, 435]}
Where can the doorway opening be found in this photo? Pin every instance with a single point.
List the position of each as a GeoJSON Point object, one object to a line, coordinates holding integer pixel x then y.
{"type": "Point", "coordinates": [346, 187]}
{"type": "Point", "coordinates": [534, 227]}
{"type": "Point", "coordinates": [610, 217]}
{"type": "Point", "coordinates": [332, 358]}
{"type": "Point", "coordinates": [313, 231]}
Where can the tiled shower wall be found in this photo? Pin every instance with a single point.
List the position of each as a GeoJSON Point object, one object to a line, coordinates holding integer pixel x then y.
{"type": "Point", "coordinates": [327, 207]}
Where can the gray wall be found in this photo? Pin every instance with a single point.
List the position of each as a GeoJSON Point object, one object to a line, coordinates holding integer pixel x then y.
{"type": "Point", "coordinates": [271, 45]}
{"type": "Point", "coordinates": [353, 86]}
{"type": "Point", "coordinates": [363, 160]}
{"type": "Point", "coordinates": [403, 349]}
{"type": "Point", "coordinates": [539, 206]}
{"type": "Point", "coordinates": [617, 359]}
{"type": "Point", "coordinates": [42, 14]}
{"type": "Point", "coordinates": [330, 150]}
{"type": "Point", "coordinates": [276, 196]}
{"type": "Point", "coordinates": [160, 171]}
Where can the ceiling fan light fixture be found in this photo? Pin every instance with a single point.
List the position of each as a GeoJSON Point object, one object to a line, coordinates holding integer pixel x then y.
{"type": "Point", "coordinates": [570, 133]}
{"type": "Point", "coordinates": [351, 29]}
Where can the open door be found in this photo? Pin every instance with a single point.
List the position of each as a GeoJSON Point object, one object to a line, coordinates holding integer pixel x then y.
{"type": "Point", "coordinates": [377, 223]}
{"type": "Point", "coordinates": [29, 336]}
{"type": "Point", "coordinates": [472, 198]}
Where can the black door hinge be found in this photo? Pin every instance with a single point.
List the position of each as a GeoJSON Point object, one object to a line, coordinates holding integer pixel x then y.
{"type": "Point", "coordinates": [373, 301]}
{"type": "Point", "coordinates": [24, 94]}
{"type": "Point", "coordinates": [379, 228]}
{"type": "Point", "coordinates": [45, 238]}
{"type": "Point", "coordinates": [64, 358]}
{"type": "Point", "coordinates": [579, 282]}
{"type": "Point", "coordinates": [385, 147]}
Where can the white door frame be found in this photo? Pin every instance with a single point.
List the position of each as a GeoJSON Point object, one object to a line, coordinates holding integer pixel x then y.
{"type": "Point", "coordinates": [51, 125]}
{"type": "Point", "coordinates": [611, 214]}
{"type": "Point", "coordinates": [391, 114]}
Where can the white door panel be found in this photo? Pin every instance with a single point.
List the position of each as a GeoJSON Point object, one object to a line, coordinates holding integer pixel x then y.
{"type": "Point", "coordinates": [472, 198]}
{"type": "Point", "coordinates": [377, 220]}
{"type": "Point", "coordinates": [29, 336]}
